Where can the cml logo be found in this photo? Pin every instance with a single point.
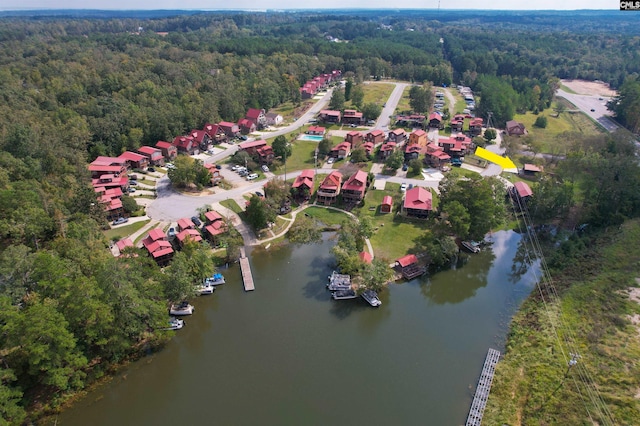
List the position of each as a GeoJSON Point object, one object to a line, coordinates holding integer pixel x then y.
{"type": "Point", "coordinates": [629, 5]}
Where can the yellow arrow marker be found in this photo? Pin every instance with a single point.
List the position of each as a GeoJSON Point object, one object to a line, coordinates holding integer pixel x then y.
{"type": "Point", "coordinates": [504, 162]}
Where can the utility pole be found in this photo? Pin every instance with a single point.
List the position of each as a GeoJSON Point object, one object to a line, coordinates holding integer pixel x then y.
{"type": "Point", "coordinates": [315, 160]}
{"type": "Point", "coordinates": [573, 361]}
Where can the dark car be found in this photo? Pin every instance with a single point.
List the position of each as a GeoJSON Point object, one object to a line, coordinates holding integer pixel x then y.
{"type": "Point", "coordinates": [196, 221]}
{"type": "Point", "coordinates": [405, 167]}
{"type": "Point", "coordinates": [259, 194]}
{"type": "Point", "coordinates": [593, 110]}
{"type": "Point", "coordinates": [151, 169]}
{"type": "Point", "coordinates": [456, 162]}
{"type": "Point", "coordinates": [172, 232]}
{"type": "Point", "coordinates": [133, 182]}
{"type": "Point", "coordinates": [218, 167]}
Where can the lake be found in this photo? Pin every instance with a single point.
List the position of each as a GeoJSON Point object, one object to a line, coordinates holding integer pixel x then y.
{"type": "Point", "coordinates": [286, 354]}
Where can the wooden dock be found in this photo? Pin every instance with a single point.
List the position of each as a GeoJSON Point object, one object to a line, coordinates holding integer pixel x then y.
{"type": "Point", "coordinates": [247, 276]}
{"type": "Point", "coordinates": [483, 389]}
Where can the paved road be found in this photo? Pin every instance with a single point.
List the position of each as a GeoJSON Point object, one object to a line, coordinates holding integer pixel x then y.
{"type": "Point", "coordinates": [390, 107]}
{"type": "Point", "coordinates": [592, 105]}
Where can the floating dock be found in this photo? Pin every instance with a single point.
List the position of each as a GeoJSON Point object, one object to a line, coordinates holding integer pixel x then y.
{"type": "Point", "coordinates": [247, 276]}
{"type": "Point", "coordinates": [483, 389]}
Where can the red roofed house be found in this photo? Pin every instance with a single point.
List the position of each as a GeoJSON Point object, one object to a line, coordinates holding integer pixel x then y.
{"type": "Point", "coordinates": [185, 223]}
{"type": "Point", "coordinates": [329, 116]}
{"type": "Point", "coordinates": [246, 126]}
{"type": "Point", "coordinates": [169, 151]}
{"type": "Point", "coordinates": [134, 160]}
{"type": "Point", "coordinates": [257, 117]}
{"type": "Point", "coordinates": [316, 130]}
{"type": "Point", "coordinates": [330, 188]}
{"type": "Point", "coordinates": [201, 138]}
{"type": "Point", "coordinates": [124, 244]}
{"type": "Point", "coordinates": [409, 266]}
{"type": "Point", "coordinates": [340, 151]}
{"type": "Point", "coordinates": [154, 155]}
{"type": "Point", "coordinates": [435, 156]}
{"type": "Point", "coordinates": [368, 148]}
{"type": "Point", "coordinates": [303, 185]}
{"type": "Point", "coordinates": [266, 154]}
{"type": "Point", "coordinates": [188, 234]}
{"type": "Point", "coordinates": [109, 181]}
{"type": "Point", "coordinates": [456, 146]}
{"type": "Point", "coordinates": [521, 191]}
{"type": "Point", "coordinates": [475, 126]}
{"type": "Point", "coordinates": [417, 202]}
{"type": "Point", "coordinates": [215, 132]}
{"type": "Point", "coordinates": [351, 116]}
{"type": "Point", "coordinates": [251, 147]}
{"type": "Point", "coordinates": [387, 204]}
{"type": "Point", "coordinates": [435, 120]}
{"type": "Point", "coordinates": [386, 150]}
{"type": "Point", "coordinates": [107, 165]}
{"type": "Point", "coordinates": [216, 177]}
{"type": "Point", "coordinates": [375, 136]}
{"type": "Point", "coordinates": [365, 256]}
{"type": "Point", "coordinates": [530, 169]}
{"type": "Point", "coordinates": [215, 226]}
{"type": "Point", "coordinates": [412, 152]}
{"type": "Point", "coordinates": [111, 199]}
{"type": "Point", "coordinates": [354, 188]}
{"type": "Point", "coordinates": [457, 123]}
{"type": "Point", "coordinates": [419, 137]}
{"type": "Point", "coordinates": [229, 129]}
{"type": "Point", "coordinates": [186, 144]}
{"type": "Point", "coordinates": [355, 138]}
{"type": "Point", "coordinates": [158, 247]}
{"type": "Point", "coordinates": [259, 150]}
{"type": "Point", "coordinates": [397, 135]}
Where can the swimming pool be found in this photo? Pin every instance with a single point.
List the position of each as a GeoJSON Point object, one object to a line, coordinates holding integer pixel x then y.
{"type": "Point", "coordinates": [315, 138]}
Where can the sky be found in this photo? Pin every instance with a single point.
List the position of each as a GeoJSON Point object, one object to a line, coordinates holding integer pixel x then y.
{"type": "Point", "coordinates": [297, 4]}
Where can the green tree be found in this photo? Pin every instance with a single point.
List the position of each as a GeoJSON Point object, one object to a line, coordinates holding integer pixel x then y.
{"type": "Point", "coordinates": [627, 105]}
{"type": "Point", "coordinates": [258, 214]}
{"type": "Point", "coordinates": [358, 155]}
{"type": "Point", "coordinates": [395, 160]}
{"type": "Point", "coordinates": [348, 86]}
{"type": "Point", "coordinates": [357, 96]}
{"type": "Point", "coordinates": [11, 413]}
{"type": "Point", "coordinates": [421, 98]}
{"type": "Point", "coordinates": [371, 111]}
{"type": "Point", "coordinates": [337, 100]}
{"type": "Point", "coordinates": [490, 134]}
{"type": "Point", "coordinates": [457, 218]}
{"type": "Point", "coordinates": [541, 122]}
{"type": "Point", "coordinates": [376, 275]}
{"type": "Point", "coordinates": [304, 231]}
{"type": "Point", "coordinates": [282, 148]}
{"type": "Point", "coordinates": [324, 146]}
{"type": "Point", "coordinates": [415, 166]}
{"type": "Point", "coordinates": [129, 204]}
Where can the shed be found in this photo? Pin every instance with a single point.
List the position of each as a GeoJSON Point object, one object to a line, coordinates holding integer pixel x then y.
{"type": "Point", "coordinates": [387, 204]}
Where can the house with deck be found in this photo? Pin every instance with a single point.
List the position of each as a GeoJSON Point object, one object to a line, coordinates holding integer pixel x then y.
{"type": "Point", "coordinates": [201, 138]}
{"type": "Point", "coordinates": [418, 137]}
{"type": "Point", "coordinates": [273, 119]}
{"type": "Point", "coordinates": [417, 203]}
{"type": "Point", "coordinates": [257, 117]}
{"type": "Point", "coordinates": [216, 133]}
{"type": "Point", "coordinates": [386, 150]}
{"type": "Point", "coordinates": [397, 136]}
{"type": "Point", "coordinates": [375, 136]}
{"type": "Point", "coordinates": [134, 160]}
{"type": "Point", "coordinates": [230, 129]}
{"type": "Point", "coordinates": [186, 145]}
{"type": "Point", "coordinates": [530, 170]}
{"type": "Point", "coordinates": [329, 188]}
{"type": "Point", "coordinates": [354, 188]}
{"type": "Point", "coordinates": [330, 116]}
{"type": "Point", "coordinates": [514, 128]}
{"type": "Point", "coordinates": [351, 116]}
{"type": "Point", "coordinates": [435, 121]}
{"type": "Point", "coordinates": [412, 152]}
{"type": "Point", "coordinates": [340, 151]}
{"type": "Point", "coordinates": [355, 138]}
{"type": "Point", "coordinates": [435, 156]}
{"type": "Point", "coordinates": [246, 126]}
{"type": "Point", "coordinates": [216, 176]}
{"type": "Point", "coordinates": [154, 155]}
{"type": "Point", "coordinates": [521, 192]}
{"type": "Point", "coordinates": [456, 146]}
{"type": "Point", "coordinates": [169, 151]}
{"type": "Point", "coordinates": [215, 226]}
{"type": "Point", "coordinates": [107, 165]}
{"type": "Point", "coordinates": [409, 267]}
{"type": "Point", "coordinates": [316, 130]}
{"type": "Point", "coordinates": [158, 247]}
{"type": "Point", "coordinates": [304, 184]}
{"type": "Point", "coordinates": [475, 126]}
{"type": "Point", "coordinates": [412, 120]}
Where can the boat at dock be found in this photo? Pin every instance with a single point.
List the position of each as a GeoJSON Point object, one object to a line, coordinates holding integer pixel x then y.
{"type": "Point", "coordinates": [216, 279]}
{"type": "Point", "coordinates": [175, 324]}
{"type": "Point", "coordinates": [339, 282]}
{"type": "Point", "coordinates": [371, 297]}
{"type": "Point", "coordinates": [205, 288]}
{"type": "Point", "coordinates": [183, 308]}
{"type": "Point", "coordinates": [471, 246]}
{"type": "Point", "coordinates": [344, 294]}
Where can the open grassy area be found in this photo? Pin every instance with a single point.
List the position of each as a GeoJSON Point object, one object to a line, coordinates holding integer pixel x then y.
{"type": "Point", "coordinates": [329, 217]}
{"type": "Point", "coordinates": [377, 93]}
{"type": "Point", "coordinates": [403, 104]}
{"type": "Point", "coordinates": [232, 205]}
{"type": "Point", "coordinates": [533, 384]}
{"type": "Point", "coordinates": [301, 156]}
{"type": "Point", "coordinates": [117, 234]}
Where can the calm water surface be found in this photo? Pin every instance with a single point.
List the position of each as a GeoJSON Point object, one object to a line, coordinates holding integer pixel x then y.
{"type": "Point", "coordinates": [286, 354]}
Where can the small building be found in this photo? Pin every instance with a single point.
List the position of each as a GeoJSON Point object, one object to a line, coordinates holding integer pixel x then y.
{"type": "Point", "coordinates": [355, 138]}
{"type": "Point", "coordinates": [303, 185]}
{"type": "Point", "coordinates": [351, 116]}
{"type": "Point", "coordinates": [329, 188]}
{"type": "Point", "coordinates": [251, 147]}
{"type": "Point", "coordinates": [412, 152]}
{"type": "Point", "coordinates": [188, 234]}
{"type": "Point", "coordinates": [158, 247]}
{"type": "Point", "coordinates": [169, 151]}
{"type": "Point", "coordinates": [316, 130]}
{"type": "Point", "coordinates": [154, 155]}
{"type": "Point", "coordinates": [514, 128]}
{"type": "Point", "coordinates": [530, 170]}
{"type": "Point", "coordinates": [417, 203]}
{"type": "Point", "coordinates": [435, 121]}
{"type": "Point", "coordinates": [436, 157]}
{"type": "Point", "coordinates": [457, 124]}
{"type": "Point", "coordinates": [257, 117]}
{"type": "Point", "coordinates": [246, 126]}
{"type": "Point", "coordinates": [124, 244]}
{"type": "Point", "coordinates": [365, 257]}
{"type": "Point", "coordinates": [387, 204]}
{"type": "Point", "coordinates": [409, 267]}
{"type": "Point", "coordinates": [386, 150]}
{"type": "Point", "coordinates": [185, 223]}
{"type": "Point", "coordinates": [329, 116]}
{"type": "Point", "coordinates": [456, 146]}
{"type": "Point", "coordinates": [229, 129]}
{"type": "Point", "coordinates": [265, 154]}
{"type": "Point", "coordinates": [216, 133]}
{"type": "Point", "coordinates": [134, 160]}
{"type": "Point", "coordinates": [186, 145]}
{"type": "Point", "coordinates": [201, 138]}
{"type": "Point", "coordinates": [340, 151]}
{"type": "Point", "coordinates": [215, 226]}
{"type": "Point", "coordinates": [397, 136]}
{"type": "Point", "coordinates": [475, 126]}
{"type": "Point", "coordinates": [216, 176]}
{"type": "Point", "coordinates": [368, 148]}
{"type": "Point", "coordinates": [375, 136]}
{"type": "Point", "coordinates": [354, 188]}
{"type": "Point", "coordinates": [273, 119]}
{"type": "Point", "coordinates": [521, 192]}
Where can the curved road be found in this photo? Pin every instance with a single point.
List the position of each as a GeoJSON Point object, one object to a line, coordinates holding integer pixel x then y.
{"type": "Point", "coordinates": [594, 106]}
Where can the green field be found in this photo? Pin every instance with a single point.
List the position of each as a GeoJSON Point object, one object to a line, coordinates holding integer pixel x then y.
{"type": "Point", "coordinates": [232, 205]}
{"type": "Point", "coordinates": [116, 234]}
{"type": "Point", "coordinates": [329, 217]}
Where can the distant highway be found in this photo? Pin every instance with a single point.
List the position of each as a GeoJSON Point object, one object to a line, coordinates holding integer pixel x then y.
{"type": "Point", "coordinates": [594, 106]}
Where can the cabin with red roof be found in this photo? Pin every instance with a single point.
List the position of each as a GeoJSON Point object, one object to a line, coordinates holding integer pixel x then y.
{"type": "Point", "coordinates": [365, 257]}
{"type": "Point", "coordinates": [530, 169]}
{"type": "Point", "coordinates": [456, 146]}
{"type": "Point", "coordinates": [216, 133]}
{"type": "Point", "coordinates": [329, 116]}
{"type": "Point", "coordinates": [111, 200]}
{"type": "Point", "coordinates": [186, 145]}
{"type": "Point", "coordinates": [375, 136]}
{"type": "Point", "coordinates": [340, 151]}
{"type": "Point", "coordinates": [154, 155]}
{"type": "Point", "coordinates": [355, 138]}
{"type": "Point", "coordinates": [521, 192]}
{"type": "Point", "coordinates": [107, 165]}
{"type": "Point", "coordinates": [435, 121]}
{"type": "Point", "coordinates": [201, 138]}
{"type": "Point", "coordinates": [188, 234]}
{"type": "Point", "coordinates": [259, 150]}
{"type": "Point", "coordinates": [417, 203]}
{"type": "Point", "coordinates": [123, 245]}
{"type": "Point", "coordinates": [316, 130]}
{"type": "Point", "coordinates": [257, 117]}
{"type": "Point", "coordinates": [330, 188]}
{"type": "Point", "coordinates": [457, 123]}
{"type": "Point", "coordinates": [134, 160]}
{"type": "Point", "coordinates": [246, 126]}
{"type": "Point", "coordinates": [303, 185]}
{"type": "Point", "coordinates": [368, 148]}
{"type": "Point", "coordinates": [229, 129]}
{"type": "Point", "coordinates": [397, 135]}
{"type": "Point", "coordinates": [409, 267]}
{"type": "Point", "coordinates": [351, 116]}
{"type": "Point", "coordinates": [411, 152]}
{"type": "Point", "coordinates": [475, 126]}
{"type": "Point", "coordinates": [435, 156]}
{"type": "Point", "coordinates": [185, 223]}
{"type": "Point", "coordinates": [386, 150]}
{"type": "Point", "coordinates": [169, 151]}
{"type": "Point", "coordinates": [216, 177]}
{"type": "Point", "coordinates": [158, 247]}
{"type": "Point", "coordinates": [215, 226]}
{"type": "Point", "coordinates": [354, 188]}
{"type": "Point", "coordinates": [419, 137]}
{"type": "Point", "coordinates": [387, 204]}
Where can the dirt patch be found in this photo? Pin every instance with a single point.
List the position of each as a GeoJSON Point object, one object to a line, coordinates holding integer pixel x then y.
{"type": "Point", "coordinates": [592, 88]}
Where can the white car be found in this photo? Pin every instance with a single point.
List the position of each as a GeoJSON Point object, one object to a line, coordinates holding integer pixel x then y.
{"type": "Point", "coordinates": [252, 176]}
{"type": "Point", "coordinates": [403, 187]}
{"type": "Point", "coordinates": [234, 167]}
{"type": "Point", "coordinates": [265, 168]}
{"type": "Point", "coordinates": [330, 160]}
{"type": "Point", "coordinates": [170, 166]}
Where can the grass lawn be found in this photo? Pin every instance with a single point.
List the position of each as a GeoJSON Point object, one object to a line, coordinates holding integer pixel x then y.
{"type": "Point", "coordinates": [329, 217]}
{"type": "Point", "coordinates": [403, 104]}
{"type": "Point", "coordinates": [377, 93]}
{"type": "Point", "coordinates": [301, 156]}
{"type": "Point", "coordinates": [232, 205]}
{"type": "Point", "coordinates": [567, 89]}
{"type": "Point", "coordinates": [117, 234]}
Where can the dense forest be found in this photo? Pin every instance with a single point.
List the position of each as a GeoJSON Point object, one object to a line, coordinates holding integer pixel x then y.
{"type": "Point", "coordinates": [75, 87]}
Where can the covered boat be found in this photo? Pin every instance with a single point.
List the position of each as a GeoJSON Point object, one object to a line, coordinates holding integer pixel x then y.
{"type": "Point", "coordinates": [371, 297]}
{"type": "Point", "coordinates": [216, 279]}
{"type": "Point", "coordinates": [344, 294]}
{"type": "Point", "coordinates": [183, 308]}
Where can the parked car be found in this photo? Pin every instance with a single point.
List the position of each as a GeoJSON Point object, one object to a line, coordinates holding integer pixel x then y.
{"type": "Point", "coordinates": [170, 166]}
{"type": "Point", "coordinates": [593, 110]}
{"type": "Point", "coordinates": [151, 169]}
{"type": "Point", "coordinates": [120, 221]}
{"type": "Point", "coordinates": [133, 182]}
{"type": "Point", "coordinates": [265, 168]}
{"type": "Point", "coordinates": [235, 167]}
{"type": "Point", "coordinates": [244, 173]}
{"type": "Point", "coordinates": [405, 167]}
{"type": "Point", "coordinates": [259, 194]}
{"type": "Point", "coordinates": [133, 177]}
{"type": "Point", "coordinates": [252, 176]}
{"type": "Point", "coordinates": [172, 232]}
{"type": "Point", "coordinates": [403, 187]}
{"type": "Point", "coordinates": [132, 190]}
{"type": "Point", "coordinates": [196, 221]}
{"type": "Point", "coordinates": [456, 162]}
{"type": "Point", "coordinates": [331, 160]}
{"type": "Point", "coordinates": [218, 167]}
